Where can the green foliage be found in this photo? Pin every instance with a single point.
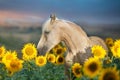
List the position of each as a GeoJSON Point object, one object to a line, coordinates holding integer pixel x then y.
{"type": "Point", "coordinates": [11, 42]}
{"type": "Point", "coordinates": [3, 72]}
{"type": "Point", "coordinates": [31, 71]}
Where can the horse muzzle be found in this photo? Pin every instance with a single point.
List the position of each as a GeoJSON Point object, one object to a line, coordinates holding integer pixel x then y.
{"type": "Point", "coordinates": [42, 51]}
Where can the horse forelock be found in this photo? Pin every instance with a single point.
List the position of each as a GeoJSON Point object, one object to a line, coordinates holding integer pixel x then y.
{"type": "Point", "coordinates": [47, 26]}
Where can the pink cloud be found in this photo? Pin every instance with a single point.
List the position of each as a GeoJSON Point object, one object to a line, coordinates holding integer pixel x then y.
{"type": "Point", "coordinates": [9, 18]}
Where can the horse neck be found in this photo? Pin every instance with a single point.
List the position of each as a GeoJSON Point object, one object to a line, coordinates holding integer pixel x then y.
{"type": "Point", "coordinates": [76, 41]}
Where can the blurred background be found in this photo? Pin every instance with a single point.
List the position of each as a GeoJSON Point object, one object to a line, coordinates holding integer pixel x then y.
{"type": "Point", "coordinates": [21, 20]}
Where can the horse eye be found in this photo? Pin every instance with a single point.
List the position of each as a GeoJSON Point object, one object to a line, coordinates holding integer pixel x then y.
{"type": "Point", "coordinates": [47, 32]}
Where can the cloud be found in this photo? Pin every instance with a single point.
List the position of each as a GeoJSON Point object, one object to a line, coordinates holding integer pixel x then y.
{"type": "Point", "coordinates": [8, 18]}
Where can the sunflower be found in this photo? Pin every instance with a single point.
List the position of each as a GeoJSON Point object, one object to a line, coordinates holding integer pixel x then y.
{"type": "Point", "coordinates": [41, 60]}
{"type": "Point", "coordinates": [14, 65]}
{"type": "Point", "coordinates": [116, 48]}
{"type": "Point", "coordinates": [29, 51]}
{"type": "Point", "coordinates": [9, 56]}
{"type": "Point", "coordinates": [57, 46]}
{"type": "Point", "coordinates": [59, 51]}
{"type": "Point", "coordinates": [51, 58]}
{"type": "Point", "coordinates": [2, 51]}
{"type": "Point", "coordinates": [98, 51]}
{"type": "Point", "coordinates": [109, 74]}
{"type": "Point", "coordinates": [109, 41]}
{"type": "Point", "coordinates": [92, 67]}
{"type": "Point", "coordinates": [76, 69]}
{"type": "Point", "coordinates": [59, 59]}
{"type": "Point", "coordinates": [110, 44]}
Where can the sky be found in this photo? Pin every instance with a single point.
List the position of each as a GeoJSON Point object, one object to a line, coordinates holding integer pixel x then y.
{"type": "Point", "coordinates": [86, 11]}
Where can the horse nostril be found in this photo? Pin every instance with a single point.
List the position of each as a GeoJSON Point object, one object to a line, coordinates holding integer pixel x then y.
{"type": "Point", "coordinates": [42, 50]}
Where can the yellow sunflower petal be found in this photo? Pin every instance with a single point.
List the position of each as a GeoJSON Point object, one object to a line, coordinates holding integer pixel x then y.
{"type": "Point", "coordinates": [117, 42]}
{"type": "Point", "coordinates": [2, 51]}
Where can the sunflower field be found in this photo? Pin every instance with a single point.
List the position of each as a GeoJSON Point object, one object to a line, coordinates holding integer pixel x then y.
{"type": "Point", "coordinates": [104, 65]}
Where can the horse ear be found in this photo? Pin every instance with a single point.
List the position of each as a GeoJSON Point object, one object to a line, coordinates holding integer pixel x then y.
{"type": "Point", "coordinates": [53, 18]}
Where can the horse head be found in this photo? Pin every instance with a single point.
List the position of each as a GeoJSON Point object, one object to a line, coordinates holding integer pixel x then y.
{"type": "Point", "coordinates": [50, 35]}
{"type": "Point", "coordinates": [55, 30]}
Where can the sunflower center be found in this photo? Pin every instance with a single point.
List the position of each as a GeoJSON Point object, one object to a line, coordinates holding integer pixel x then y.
{"type": "Point", "coordinates": [92, 67]}
{"type": "Point", "coordinates": [109, 76]}
{"type": "Point", "coordinates": [50, 59]}
{"type": "Point", "coordinates": [40, 61]}
{"type": "Point", "coordinates": [77, 70]}
{"type": "Point", "coordinates": [29, 51]}
{"type": "Point", "coordinates": [14, 64]}
{"type": "Point", "coordinates": [60, 59]}
{"type": "Point", "coordinates": [110, 44]}
{"type": "Point", "coordinates": [59, 51]}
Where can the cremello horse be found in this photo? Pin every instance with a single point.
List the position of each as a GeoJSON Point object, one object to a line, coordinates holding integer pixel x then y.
{"type": "Point", "coordinates": [77, 42]}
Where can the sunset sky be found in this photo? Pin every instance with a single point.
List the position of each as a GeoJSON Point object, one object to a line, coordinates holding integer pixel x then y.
{"type": "Point", "coordinates": [87, 11]}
